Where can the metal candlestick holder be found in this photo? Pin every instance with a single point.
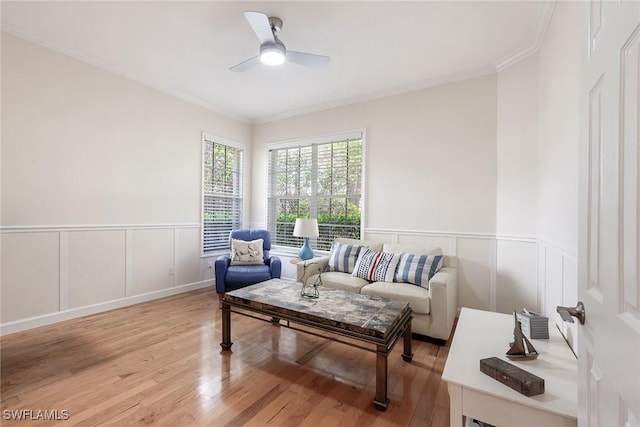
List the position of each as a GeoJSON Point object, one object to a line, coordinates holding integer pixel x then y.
{"type": "Point", "coordinates": [311, 291]}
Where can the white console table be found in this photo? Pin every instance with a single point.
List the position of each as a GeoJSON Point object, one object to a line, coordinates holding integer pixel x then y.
{"type": "Point", "coordinates": [481, 334]}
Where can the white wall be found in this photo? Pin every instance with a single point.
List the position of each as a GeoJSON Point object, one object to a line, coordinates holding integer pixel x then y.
{"type": "Point", "coordinates": [516, 275]}
{"type": "Point", "coordinates": [430, 153]}
{"type": "Point", "coordinates": [557, 213]}
{"type": "Point", "coordinates": [430, 171]}
{"type": "Point", "coordinates": [100, 187]}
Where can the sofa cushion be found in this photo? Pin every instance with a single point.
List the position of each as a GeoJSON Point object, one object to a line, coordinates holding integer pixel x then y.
{"type": "Point", "coordinates": [376, 266]}
{"type": "Point", "coordinates": [409, 248]}
{"type": "Point", "coordinates": [339, 280]}
{"type": "Point", "coordinates": [371, 244]}
{"type": "Point", "coordinates": [416, 296]}
{"type": "Point", "coordinates": [343, 257]}
{"type": "Point", "coordinates": [417, 269]}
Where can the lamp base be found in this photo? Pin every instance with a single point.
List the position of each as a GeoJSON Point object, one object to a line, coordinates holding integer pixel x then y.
{"type": "Point", "coordinates": [305, 251]}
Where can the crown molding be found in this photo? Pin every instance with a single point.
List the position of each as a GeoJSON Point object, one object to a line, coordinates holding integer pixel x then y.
{"type": "Point", "coordinates": [25, 35]}
{"type": "Point", "coordinates": [536, 38]}
{"type": "Point", "coordinates": [383, 93]}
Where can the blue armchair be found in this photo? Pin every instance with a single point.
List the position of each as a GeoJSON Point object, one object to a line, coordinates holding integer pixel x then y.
{"type": "Point", "coordinates": [230, 277]}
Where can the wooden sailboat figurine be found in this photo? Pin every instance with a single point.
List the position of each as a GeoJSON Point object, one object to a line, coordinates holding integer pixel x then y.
{"type": "Point", "coordinates": [521, 347]}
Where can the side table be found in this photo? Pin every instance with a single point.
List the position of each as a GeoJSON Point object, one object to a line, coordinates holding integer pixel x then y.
{"type": "Point", "coordinates": [481, 334]}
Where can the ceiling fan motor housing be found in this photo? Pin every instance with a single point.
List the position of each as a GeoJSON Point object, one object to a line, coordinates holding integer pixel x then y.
{"type": "Point", "coordinates": [273, 53]}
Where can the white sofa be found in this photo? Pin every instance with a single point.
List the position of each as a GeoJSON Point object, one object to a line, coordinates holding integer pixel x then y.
{"type": "Point", "coordinates": [434, 309]}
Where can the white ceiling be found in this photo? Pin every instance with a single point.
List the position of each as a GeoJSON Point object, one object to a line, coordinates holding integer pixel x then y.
{"type": "Point", "coordinates": [376, 48]}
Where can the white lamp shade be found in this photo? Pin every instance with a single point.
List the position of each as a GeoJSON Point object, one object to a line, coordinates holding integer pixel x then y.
{"type": "Point", "coordinates": [306, 227]}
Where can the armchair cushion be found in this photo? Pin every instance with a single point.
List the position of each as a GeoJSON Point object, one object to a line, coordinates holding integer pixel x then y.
{"type": "Point", "coordinates": [239, 276]}
{"type": "Point", "coordinates": [246, 253]}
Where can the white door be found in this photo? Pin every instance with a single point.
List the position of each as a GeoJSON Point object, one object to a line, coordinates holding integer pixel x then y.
{"type": "Point", "coordinates": [609, 243]}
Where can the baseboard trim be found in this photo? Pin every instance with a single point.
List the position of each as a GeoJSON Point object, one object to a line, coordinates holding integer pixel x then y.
{"type": "Point", "coordinates": [74, 313]}
{"type": "Point", "coordinates": [92, 227]}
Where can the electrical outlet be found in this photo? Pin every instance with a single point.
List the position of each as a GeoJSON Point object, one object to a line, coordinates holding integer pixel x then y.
{"type": "Point", "coordinates": [210, 264]}
{"type": "Point", "coordinates": [171, 271]}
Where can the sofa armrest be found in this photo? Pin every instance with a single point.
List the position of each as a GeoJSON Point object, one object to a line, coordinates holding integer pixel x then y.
{"type": "Point", "coordinates": [309, 267]}
{"type": "Point", "coordinates": [443, 290]}
{"type": "Point", "coordinates": [221, 265]}
{"type": "Point", "coordinates": [275, 266]}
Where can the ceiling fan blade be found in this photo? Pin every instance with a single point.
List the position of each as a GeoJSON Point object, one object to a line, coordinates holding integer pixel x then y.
{"type": "Point", "coordinates": [244, 66]}
{"type": "Point", "coordinates": [260, 24]}
{"type": "Point", "coordinates": [307, 59]}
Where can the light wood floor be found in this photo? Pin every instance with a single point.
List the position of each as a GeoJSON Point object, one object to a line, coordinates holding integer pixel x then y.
{"type": "Point", "coordinates": [160, 363]}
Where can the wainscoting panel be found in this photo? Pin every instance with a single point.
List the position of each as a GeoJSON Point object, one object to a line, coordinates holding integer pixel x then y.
{"type": "Point", "coordinates": [476, 269]}
{"type": "Point", "coordinates": [187, 255]}
{"type": "Point", "coordinates": [552, 280]}
{"type": "Point", "coordinates": [516, 284]}
{"type": "Point", "coordinates": [153, 267]}
{"type": "Point", "coordinates": [95, 267]}
{"type": "Point", "coordinates": [500, 273]}
{"type": "Point", "coordinates": [51, 274]}
{"type": "Point", "coordinates": [30, 275]}
{"type": "Point", "coordinates": [558, 285]}
{"type": "Point", "coordinates": [426, 241]}
{"type": "Point", "coordinates": [570, 297]}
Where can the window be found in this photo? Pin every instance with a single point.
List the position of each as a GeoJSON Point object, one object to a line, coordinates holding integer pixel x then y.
{"type": "Point", "coordinates": [316, 179]}
{"type": "Point", "coordinates": [221, 192]}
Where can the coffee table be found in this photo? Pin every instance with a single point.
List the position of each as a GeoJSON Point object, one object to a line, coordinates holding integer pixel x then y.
{"type": "Point", "coordinates": [374, 321]}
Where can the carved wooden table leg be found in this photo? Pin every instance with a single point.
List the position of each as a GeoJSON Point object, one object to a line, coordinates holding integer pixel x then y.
{"type": "Point", "coordinates": [226, 327]}
{"type": "Point", "coordinates": [381, 401]}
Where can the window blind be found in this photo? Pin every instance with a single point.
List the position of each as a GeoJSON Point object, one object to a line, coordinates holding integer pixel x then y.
{"type": "Point", "coordinates": [320, 180]}
{"type": "Point", "coordinates": [222, 194]}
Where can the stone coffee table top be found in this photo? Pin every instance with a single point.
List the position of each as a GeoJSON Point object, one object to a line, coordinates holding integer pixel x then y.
{"type": "Point", "coordinates": [363, 314]}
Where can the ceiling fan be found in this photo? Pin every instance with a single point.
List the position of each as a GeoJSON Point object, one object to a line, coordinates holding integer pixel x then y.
{"type": "Point", "coordinates": [272, 50]}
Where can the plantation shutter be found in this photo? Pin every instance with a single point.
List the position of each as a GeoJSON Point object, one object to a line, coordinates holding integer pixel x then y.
{"type": "Point", "coordinates": [316, 179]}
{"type": "Point", "coordinates": [222, 194]}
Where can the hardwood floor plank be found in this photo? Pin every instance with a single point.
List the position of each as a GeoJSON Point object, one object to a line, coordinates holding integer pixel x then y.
{"type": "Point", "coordinates": [160, 363]}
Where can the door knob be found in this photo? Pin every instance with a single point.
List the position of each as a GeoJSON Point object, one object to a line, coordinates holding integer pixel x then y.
{"type": "Point", "coordinates": [577, 312]}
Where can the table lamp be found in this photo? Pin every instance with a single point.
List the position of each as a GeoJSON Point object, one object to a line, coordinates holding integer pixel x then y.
{"type": "Point", "coordinates": [306, 228]}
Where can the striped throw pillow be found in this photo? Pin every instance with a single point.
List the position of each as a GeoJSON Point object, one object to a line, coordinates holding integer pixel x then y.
{"type": "Point", "coordinates": [343, 257]}
{"type": "Point", "coordinates": [417, 269]}
{"type": "Point", "coordinates": [376, 266]}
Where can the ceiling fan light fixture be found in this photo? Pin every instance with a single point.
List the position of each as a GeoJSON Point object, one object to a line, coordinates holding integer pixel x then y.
{"type": "Point", "coordinates": [272, 55]}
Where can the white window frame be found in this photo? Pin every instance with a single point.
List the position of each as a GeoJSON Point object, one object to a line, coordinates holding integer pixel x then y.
{"type": "Point", "coordinates": [319, 139]}
{"type": "Point", "coordinates": [212, 138]}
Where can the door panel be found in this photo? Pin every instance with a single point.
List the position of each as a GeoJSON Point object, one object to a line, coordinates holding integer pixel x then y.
{"type": "Point", "coordinates": [609, 350]}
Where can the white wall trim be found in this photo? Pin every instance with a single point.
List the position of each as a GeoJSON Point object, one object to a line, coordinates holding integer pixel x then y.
{"type": "Point", "coordinates": [91, 227]}
{"type": "Point", "coordinates": [74, 313]}
{"type": "Point", "coordinates": [433, 233]}
{"type": "Point", "coordinates": [539, 30]}
{"type": "Point", "coordinates": [557, 248]}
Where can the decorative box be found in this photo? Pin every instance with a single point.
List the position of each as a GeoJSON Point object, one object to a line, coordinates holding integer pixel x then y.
{"type": "Point", "coordinates": [533, 325]}
{"type": "Point", "coordinates": [510, 375]}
